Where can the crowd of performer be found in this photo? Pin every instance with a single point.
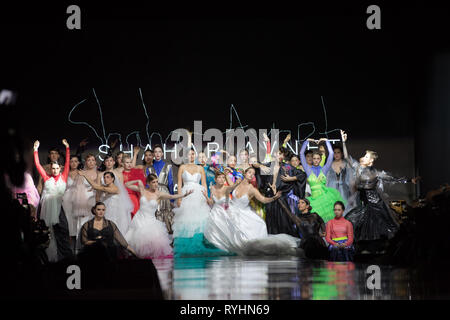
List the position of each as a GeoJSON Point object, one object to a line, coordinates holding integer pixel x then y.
{"type": "Point", "coordinates": [319, 204]}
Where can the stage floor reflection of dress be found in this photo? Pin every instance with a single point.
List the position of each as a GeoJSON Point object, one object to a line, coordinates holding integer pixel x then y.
{"type": "Point", "coordinates": [276, 278]}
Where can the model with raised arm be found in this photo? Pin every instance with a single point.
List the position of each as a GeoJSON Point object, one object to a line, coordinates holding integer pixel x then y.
{"type": "Point", "coordinates": [245, 162]}
{"type": "Point", "coordinates": [84, 195]}
{"type": "Point", "coordinates": [311, 230]}
{"type": "Point", "coordinates": [147, 162]}
{"type": "Point", "coordinates": [322, 198]}
{"type": "Point", "coordinates": [248, 231]}
{"type": "Point", "coordinates": [219, 227]}
{"type": "Point", "coordinates": [109, 194]}
{"type": "Point", "coordinates": [288, 180]}
{"type": "Point", "coordinates": [51, 204]}
{"type": "Point", "coordinates": [147, 235]}
{"type": "Point", "coordinates": [341, 174]}
{"type": "Point", "coordinates": [373, 221]}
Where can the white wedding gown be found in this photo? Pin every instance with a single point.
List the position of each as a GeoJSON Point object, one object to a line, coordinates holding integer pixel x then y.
{"type": "Point", "coordinates": [191, 217]}
{"type": "Point", "coordinates": [82, 202]}
{"type": "Point", "coordinates": [51, 202]}
{"type": "Point", "coordinates": [219, 225]}
{"type": "Point", "coordinates": [146, 235]}
{"type": "Point", "coordinates": [118, 206]}
{"type": "Point", "coordinates": [116, 212]}
{"type": "Point", "coordinates": [240, 230]}
{"type": "Point", "coordinates": [68, 206]}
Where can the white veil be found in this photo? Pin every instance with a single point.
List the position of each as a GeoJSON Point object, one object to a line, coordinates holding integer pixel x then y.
{"type": "Point", "coordinates": [124, 198]}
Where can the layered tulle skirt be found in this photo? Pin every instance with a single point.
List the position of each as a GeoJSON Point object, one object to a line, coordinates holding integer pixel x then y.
{"type": "Point", "coordinates": [189, 224]}
{"type": "Point", "coordinates": [191, 217]}
{"type": "Point", "coordinates": [117, 212]}
{"type": "Point", "coordinates": [148, 236]}
{"type": "Point", "coordinates": [196, 246]}
{"type": "Point", "coordinates": [323, 202]}
{"type": "Point", "coordinates": [50, 209]}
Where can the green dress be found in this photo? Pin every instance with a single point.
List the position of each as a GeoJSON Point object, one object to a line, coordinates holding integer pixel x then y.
{"type": "Point", "coordinates": [322, 198]}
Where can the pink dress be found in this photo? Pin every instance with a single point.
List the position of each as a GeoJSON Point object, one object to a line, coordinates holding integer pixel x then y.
{"type": "Point", "coordinates": [28, 188]}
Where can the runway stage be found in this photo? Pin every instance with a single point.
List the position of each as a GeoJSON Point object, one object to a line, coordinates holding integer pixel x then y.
{"type": "Point", "coordinates": [286, 278]}
{"type": "Point", "coordinates": [232, 278]}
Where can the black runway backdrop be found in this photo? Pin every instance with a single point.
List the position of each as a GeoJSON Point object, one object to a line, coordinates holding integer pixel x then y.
{"type": "Point", "coordinates": [273, 63]}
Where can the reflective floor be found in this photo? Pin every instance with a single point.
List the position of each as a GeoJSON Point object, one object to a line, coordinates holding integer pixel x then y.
{"type": "Point", "coordinates": [283, 278]}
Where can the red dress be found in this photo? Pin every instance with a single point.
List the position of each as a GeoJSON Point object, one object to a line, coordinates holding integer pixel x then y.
{"type": "Point", "coordinates": [134, 174]}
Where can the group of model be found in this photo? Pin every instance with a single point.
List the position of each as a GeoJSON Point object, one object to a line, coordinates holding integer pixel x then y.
{"type": "Point", "coordinates": [317, 204]}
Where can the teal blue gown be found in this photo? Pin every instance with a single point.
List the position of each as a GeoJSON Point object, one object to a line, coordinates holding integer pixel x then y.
{"type": "Point", "coordinates": [190, 220]}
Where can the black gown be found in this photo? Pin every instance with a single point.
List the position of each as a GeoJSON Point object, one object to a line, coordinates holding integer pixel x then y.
{"type": "Point", "coordinates": [276, 220]}
{"type": "Point", "coordinates": [372, 219]}
{"type": "Point", "coordinates": [109, 247]}
{"type": "Point", "coordinates": [310, 227]}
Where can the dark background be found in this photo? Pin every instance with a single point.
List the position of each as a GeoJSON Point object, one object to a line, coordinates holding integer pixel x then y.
{"type": "Point", "coordinates": [387, 88]}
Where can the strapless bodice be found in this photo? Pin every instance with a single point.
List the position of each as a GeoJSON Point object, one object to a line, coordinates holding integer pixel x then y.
{"type": "Point", "coordinates": [240, 202]}
{"type": "Point", "coordinates": [144, 203]}
{"type": "Point", "coordinates": [189, 178]}
{"type": "Point", "coordinates": [219, 201]}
